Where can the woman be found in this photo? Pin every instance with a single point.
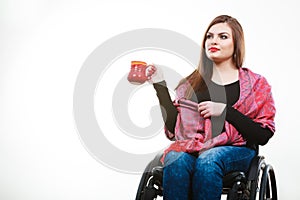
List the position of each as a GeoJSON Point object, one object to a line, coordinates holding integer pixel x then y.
{"type": "Point", "coordinates": [221, 113]}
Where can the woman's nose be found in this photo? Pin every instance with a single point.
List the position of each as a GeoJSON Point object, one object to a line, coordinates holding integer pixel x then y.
{"type": "Point", "coordinates": [213, 41]}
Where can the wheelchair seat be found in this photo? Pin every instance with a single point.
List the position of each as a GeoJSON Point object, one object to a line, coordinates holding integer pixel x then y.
{"type": "Point", "coordinates": [258, 183]}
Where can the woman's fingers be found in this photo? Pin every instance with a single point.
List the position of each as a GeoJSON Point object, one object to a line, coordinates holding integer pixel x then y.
{"type": "Point", "coordinates": [202, 106]}
{"type": "Point", "coordinates": [209, 108]}
{"type": "Point", "coordinates": [150, 70]}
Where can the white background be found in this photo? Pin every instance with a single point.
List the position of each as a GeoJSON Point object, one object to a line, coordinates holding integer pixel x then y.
{"type": "Point", "coordinates": [43, 46]}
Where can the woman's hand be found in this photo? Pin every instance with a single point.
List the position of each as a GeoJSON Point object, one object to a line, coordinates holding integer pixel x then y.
{"type": "Point", "coordinates": [210, 109]}
{"type": "Point", "coordinates": [155, 73]}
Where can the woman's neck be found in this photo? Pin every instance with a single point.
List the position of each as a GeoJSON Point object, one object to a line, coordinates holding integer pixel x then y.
{"type": "Point", "coordinates": [225, 73]}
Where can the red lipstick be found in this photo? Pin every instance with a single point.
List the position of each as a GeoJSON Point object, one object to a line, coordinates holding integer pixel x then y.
{"type": "Point", "coordinates": [213, 49]}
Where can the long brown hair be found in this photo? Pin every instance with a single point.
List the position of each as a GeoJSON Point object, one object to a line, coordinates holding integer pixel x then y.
{"type": "Point", "coordinates": [203, 73]}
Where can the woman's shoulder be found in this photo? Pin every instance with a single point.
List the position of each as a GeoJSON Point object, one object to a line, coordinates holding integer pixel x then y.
{"type": "Point", "coordinates": [248, 72]}
{"type": "Point", "coordinates": [255, 78]}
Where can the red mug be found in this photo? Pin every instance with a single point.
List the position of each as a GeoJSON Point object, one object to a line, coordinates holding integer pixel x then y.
{"type": "Point", "coordinates": [137, 74]}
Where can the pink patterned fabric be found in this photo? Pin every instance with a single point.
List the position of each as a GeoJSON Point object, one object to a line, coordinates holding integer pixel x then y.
{"type": "Point", "coordinates": [193, 132]}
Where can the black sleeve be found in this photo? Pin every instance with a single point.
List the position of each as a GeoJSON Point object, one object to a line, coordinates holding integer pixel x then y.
{"type": "Point", "coordinates": [253, 132]}
{"type": "Point", "coordinates": [168, 110]}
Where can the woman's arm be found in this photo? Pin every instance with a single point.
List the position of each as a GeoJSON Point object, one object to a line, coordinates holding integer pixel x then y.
{"type": "Point", "coordinates": [252, 131]}
{"type": "Point", "coordinates": [169, 111]}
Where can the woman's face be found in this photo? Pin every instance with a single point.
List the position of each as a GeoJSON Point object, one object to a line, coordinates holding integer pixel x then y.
{"type": "Point", "coordinates": [219, 44]}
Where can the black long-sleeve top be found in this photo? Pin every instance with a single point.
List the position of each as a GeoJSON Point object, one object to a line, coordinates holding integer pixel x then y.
{"type": "Point", "coordinates": [252, 131]}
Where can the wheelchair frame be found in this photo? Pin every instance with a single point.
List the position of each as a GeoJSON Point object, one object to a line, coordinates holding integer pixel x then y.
{"type": "Point", "coordinates": [258, 183]}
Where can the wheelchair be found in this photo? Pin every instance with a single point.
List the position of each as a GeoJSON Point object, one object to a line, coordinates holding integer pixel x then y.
{"type": "Point", "coordinates": [258, 183]}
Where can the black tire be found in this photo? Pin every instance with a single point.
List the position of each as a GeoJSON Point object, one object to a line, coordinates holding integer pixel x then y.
{"type": "Point", "coordinates": [254, 188]}
{"type": "Point", "coordinates": [143, 182]}
{"type": "Point", "coordinates": [268, 189]}
{"type": "Point", "coordinates": [147, 174]}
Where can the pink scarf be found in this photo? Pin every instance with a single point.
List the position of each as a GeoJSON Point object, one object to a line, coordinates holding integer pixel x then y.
{"type": "Point", "coordinates": [193, 132]}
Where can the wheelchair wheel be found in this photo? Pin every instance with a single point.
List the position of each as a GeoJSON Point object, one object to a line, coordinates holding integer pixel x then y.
{"type": "Point", "coordinates": [264, 186]}
{"type": "Point", "coordinates": [150, 183]}
{"type": "Point", "coordinates": [143, 182]}
{"type": "Point", "coordinates": [268, 189]}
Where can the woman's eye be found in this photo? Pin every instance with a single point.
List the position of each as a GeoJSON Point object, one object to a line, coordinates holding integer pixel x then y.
{"type": "Point", "coordinates": [208, 36]}
{"type": "Point", "coordinates": [223, 37]}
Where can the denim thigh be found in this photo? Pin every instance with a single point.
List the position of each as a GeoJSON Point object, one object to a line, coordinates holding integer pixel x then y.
{"type": "Point", "coordinates": [177, 176]}
{"type": "Point", "coordinates": [211, 166]}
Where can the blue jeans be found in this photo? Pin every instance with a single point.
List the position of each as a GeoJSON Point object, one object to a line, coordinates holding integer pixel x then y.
{"type": "Point", "coordinates": [200, 177]}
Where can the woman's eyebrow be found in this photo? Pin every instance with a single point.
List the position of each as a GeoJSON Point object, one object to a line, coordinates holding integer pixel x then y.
{"type": "Point", "coordinates": [221, 33]}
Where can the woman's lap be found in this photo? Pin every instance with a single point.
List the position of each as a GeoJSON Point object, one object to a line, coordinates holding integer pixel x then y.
{"type": "Point", "coordinates": [202, 176]}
